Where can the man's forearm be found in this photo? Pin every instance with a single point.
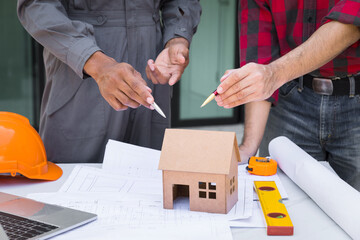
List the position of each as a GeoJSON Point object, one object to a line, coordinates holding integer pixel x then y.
{"type": "Point", "coordinates": [256, 115]}
{"type": "Point", "coordinates": [326, 43]}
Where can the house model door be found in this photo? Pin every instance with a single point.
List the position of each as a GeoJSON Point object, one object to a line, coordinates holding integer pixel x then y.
{"type": "Point", "coordinates": [181, 196]}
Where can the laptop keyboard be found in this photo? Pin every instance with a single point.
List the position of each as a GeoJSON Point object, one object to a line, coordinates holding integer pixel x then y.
{"type": "Point", "coordinates": [20, 228]}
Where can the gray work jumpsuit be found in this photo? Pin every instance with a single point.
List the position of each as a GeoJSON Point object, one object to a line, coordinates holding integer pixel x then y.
{"type": "Point", "coordinates": [76, 122]}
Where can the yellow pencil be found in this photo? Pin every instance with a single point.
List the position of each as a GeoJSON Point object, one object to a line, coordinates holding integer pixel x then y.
{"type": "Point", "coordinates": [210, 98]}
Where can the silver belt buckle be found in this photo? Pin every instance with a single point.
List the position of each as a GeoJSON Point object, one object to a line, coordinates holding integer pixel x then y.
{"type": "Point", "coordinates": [323, 86]}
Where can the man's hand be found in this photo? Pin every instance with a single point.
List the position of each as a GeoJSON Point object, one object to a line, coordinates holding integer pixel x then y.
{"type": "Point", "coordinates": [252, 82]}
{"type": "Point", "coordinates": [245, 154]}
{"type": "Point", "coordinates": [170, 64]}
{"type": "Point", "coordinates": [119, 83]}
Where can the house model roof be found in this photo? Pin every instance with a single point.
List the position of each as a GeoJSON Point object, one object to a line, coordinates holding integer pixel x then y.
{"type": "Point", "coordinates": [197, 151]}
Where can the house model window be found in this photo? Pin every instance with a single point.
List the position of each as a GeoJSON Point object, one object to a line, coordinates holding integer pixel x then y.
{"type": "Point", "coordinates": [233, 189]}
{"type": "Point", "coordinates": [212, 186]}
{"type": "Point", "coordinates": [232, 185]}
{"type": "Point", "coordinates": [209, 192]}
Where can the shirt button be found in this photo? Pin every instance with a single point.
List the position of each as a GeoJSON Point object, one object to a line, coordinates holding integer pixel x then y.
{"type": "Point", "coordinates": [100, 19]}
{"type": "Point", "coordinates": [183, 29]}
{"type": "Point", "coordinates": [310, 19]}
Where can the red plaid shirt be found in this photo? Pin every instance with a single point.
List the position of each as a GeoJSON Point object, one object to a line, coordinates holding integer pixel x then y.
{"type": "Point", "coordinates": [272, 28]}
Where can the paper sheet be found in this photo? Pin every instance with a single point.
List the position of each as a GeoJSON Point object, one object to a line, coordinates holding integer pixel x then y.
{"type": "Point", "coordinates": [130, 160]}
{"type": "Point", "coordinates": [135, 218]}
{"type": "Point", "coordinates": [334, 196]}
{"type": "Point", "coordinates": [255, 221]}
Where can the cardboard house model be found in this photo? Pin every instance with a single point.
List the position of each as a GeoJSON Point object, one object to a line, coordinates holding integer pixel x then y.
{"type": "Point", "coordinates": [200, 165]}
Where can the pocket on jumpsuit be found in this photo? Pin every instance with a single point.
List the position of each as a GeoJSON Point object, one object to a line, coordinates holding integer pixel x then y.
{"type": "Point", "coordinates": [83, 115]}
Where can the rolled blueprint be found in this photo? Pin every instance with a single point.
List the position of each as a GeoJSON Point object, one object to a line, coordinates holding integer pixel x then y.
{"type": "Point", "coordinates": [328, 190]}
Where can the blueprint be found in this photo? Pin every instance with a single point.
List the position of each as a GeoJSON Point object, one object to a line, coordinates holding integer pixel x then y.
{"type": "Point", "coordinates": [127, 196]}
{"type": "Point", "coordinates": [132, 217]}
{"type": "Point", "coordinates": [94, 180]}
{"type": "Point", "coordinates": [85, 179]}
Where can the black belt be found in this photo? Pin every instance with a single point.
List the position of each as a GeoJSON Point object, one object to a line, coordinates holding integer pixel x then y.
{"type": "Point", "coordinates": [349, 85]}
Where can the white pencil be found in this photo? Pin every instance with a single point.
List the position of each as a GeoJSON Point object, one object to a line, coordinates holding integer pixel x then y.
{"type": "Point", "coordinates": [158, 109]}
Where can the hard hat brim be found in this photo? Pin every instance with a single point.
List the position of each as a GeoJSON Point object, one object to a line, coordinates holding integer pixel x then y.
{"type": "Point", "coordinates": [54, 172]}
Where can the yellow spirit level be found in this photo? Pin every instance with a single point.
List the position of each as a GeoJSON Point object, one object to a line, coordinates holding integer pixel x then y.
{"type": "Point", "coordinates": [276, 216]}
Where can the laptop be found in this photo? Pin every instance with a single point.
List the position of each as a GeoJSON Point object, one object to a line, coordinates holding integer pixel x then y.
{"type": "Point", "coordinates": [23, 218]}
{"type": "Point", "coordinates": [3, 235]}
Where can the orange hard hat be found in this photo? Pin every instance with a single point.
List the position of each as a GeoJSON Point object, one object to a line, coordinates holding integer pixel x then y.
{"type": "Point", "coordinates": [22, 150]}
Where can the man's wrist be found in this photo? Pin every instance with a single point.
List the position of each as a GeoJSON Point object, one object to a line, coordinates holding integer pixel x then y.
{"type": "Point", "coordinates": [177, 40]}
{"type": "Point", "coordinates": [96, 62]}
{"type": "Point", "coordinates": [247, 150]}
{"type": "Point", "coordinates": [249, 146]}
{"type": "Point", "coordinates": [278, 74]}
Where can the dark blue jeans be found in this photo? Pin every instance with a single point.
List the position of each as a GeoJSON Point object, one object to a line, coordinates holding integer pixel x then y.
{"type": "Point", "coordinates": [326, 127]}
